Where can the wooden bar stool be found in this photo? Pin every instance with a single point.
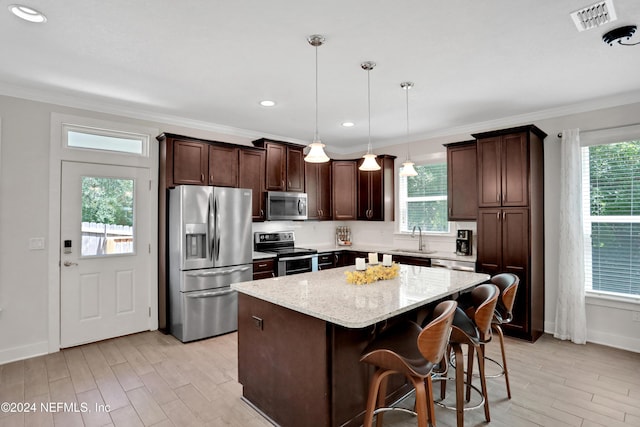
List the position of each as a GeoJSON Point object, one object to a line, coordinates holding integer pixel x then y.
{"type": "Point", "coordinates": [471, 328]}
{"type": "Point", "coordinates": [507, 283]}
{"type": "Point", "coordinates": [412, 351]}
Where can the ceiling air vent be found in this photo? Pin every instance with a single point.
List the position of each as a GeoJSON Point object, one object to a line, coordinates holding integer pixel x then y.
{"type": "Point", "coordinates": [594, 16]}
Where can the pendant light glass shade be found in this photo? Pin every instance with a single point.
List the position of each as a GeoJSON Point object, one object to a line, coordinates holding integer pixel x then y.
{"type": "Point", "coordinates": [408, 169]}
{"type": "Point", "coordinates": [316, 153]}
{"type": "Point", "coordinates": [369, 163]}
{"type": "Point", "coordinates": [407, 166]}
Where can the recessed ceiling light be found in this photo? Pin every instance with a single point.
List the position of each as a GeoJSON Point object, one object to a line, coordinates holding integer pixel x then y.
{"type": "Point", "coordinates": [348, 124]}
{"type": "Point", "coordinates": [267, 103]}
{"type": "Point", "coordinates": [27, 13]}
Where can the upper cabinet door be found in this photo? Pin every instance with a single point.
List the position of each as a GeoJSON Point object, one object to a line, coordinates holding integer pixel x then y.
{"type": "Point", "coordinates": [503, 170]}
{"type": "Point", "coordinates": [318, 189]}
{"type": "Point", "coordinates": [489, 172]}
{"type": "Point", "coordinates": [252, 166]}
{"type": "Point", "coordinates": [295, 169]}
{"type": "Point", "coordinates": [223, 166]}
{"type": "Point", "coordinates": [462, 190]}
{"type": "Point", "coordinates": [345, 179]}
{"type": "Point", "coordinates": [276, 164]}
{"type": "Point", "coordinates": [515, 170]}
{"type": "Point", "coordinates": [190, 162]}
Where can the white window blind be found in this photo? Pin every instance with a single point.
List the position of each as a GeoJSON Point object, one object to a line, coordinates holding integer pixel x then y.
{"type": "Point", "coordinates": [611, 212]}
{"type": "Point", "coordinates": [423, 199]}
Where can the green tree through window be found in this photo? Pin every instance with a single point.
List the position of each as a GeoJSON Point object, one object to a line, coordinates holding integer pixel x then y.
{"type": "Point", "coordinates": [107, 201]}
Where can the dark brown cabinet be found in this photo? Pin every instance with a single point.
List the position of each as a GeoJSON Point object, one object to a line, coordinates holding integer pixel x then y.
{"type": "Point", "coordinates": [318, 189]}
{"type": "Point", "coordinates": [503, 170]}
{"type": "Point", "coordinates": [326, 260]}
{"type": "Point", "coordinates": [511, 219]}
{"type": "Point", "coordinates": [223, 165]}
{"type": "Point", "coordinates": [189, 162]}
{"type": "Point", "coordinates": [251, 163]}
{"type": "Point", "coordinates": [375, 191]}
{"type": "Point", "coordinates": [264, 269]}
{"type": "Point", "coordinates": [462, 191]}
{"type": "Point", "coordinates": [284, 166]}
{"type": "Point", "coordinates": [345, 177]}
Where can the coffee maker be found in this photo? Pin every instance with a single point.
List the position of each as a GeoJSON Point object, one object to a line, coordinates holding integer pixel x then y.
{"type": "Point", "coordinates": [463, 242]}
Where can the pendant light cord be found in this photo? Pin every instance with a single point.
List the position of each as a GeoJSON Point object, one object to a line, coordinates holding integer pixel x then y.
{"type": "Point", "coordinates": [315, 138]}
{"type": "Point", "coordinates": [408, 143]}
{"type": "Point", "coordinates": [369, 107]}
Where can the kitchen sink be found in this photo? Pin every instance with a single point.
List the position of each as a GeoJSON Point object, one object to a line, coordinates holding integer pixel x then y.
{"type": "Point", "coordinates": [413, 251]}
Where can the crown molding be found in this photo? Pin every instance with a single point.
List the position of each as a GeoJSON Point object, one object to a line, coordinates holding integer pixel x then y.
{"type": "Point", "coordinates": [74, 101]}
{"type": "Point", "coordinates": [136, 113]}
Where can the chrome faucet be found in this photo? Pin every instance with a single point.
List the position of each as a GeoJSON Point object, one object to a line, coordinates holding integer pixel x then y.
{"type": "Point", "coordinates": [413, 234]}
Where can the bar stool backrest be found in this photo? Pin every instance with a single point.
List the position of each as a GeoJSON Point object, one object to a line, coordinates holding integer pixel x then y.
{"type": "Point", "coordinates": [508, 285]}
{"type": "Point", "coordinates": [433, 339]}
{"type": "Point", "coordinates": [485, 298]}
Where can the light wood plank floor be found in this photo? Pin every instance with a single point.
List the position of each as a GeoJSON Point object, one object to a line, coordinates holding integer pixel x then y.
{"type": "Point", "coordinates": [151, 379]}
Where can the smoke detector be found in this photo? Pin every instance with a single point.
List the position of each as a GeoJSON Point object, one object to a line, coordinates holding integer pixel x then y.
{"type": "Point", "coordinates": [594, 16]}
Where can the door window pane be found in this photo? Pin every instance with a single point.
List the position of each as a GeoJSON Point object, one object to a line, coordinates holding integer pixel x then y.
{"type": "Point", "coordinates": [107, 216]}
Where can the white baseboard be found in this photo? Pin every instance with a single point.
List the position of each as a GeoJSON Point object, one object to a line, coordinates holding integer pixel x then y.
{"type": "Point", "coordinates": [604, 338]}
{"type": "Point", "coordinates": [23, 352]}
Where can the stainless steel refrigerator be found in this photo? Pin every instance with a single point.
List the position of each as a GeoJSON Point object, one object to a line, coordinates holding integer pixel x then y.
{"type": "Point", "coordinates": [210, 247]}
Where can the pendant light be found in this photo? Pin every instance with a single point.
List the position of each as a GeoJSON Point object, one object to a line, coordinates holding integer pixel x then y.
{"type": "Point", "coordinates": [316, 153]}
{"type": "Point", "coordinates": [407, 166]}
{"type": "Point", "coordinates": [370, 163]}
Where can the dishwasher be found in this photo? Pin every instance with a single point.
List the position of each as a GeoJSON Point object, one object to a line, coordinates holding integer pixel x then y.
{"type": "Point", "coordinates": [453, 264]}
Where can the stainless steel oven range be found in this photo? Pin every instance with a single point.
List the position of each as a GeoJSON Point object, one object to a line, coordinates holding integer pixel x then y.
{"type": "Point", "coordinates": [291, 259]}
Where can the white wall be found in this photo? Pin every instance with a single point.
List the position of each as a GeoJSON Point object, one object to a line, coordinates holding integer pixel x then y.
{"type": "Point", "coordinates": [24, 214]}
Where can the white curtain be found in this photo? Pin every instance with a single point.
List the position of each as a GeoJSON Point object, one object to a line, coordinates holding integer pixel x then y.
{"type": "Point", "coordinates": [571, 321]}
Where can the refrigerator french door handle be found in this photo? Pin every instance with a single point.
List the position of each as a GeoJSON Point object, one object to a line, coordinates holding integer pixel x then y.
{"type": "Point", "coordinates": [217, 214]}
{"type": "Point", "coordinates": [210, 215]}
{"type": "Point", "coordinates": [209, 294]}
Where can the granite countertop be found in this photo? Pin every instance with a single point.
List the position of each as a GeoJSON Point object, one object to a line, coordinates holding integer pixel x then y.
{"type": "Point", "coordinates": [395, 251]}
{"type": "Point", "coordinates": [262, 255]}
{"type": "Point", "coordinates": [326, 294]}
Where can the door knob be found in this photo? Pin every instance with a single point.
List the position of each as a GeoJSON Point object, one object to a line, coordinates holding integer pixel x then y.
{"type": "Point", "coordinates": [69, 263]}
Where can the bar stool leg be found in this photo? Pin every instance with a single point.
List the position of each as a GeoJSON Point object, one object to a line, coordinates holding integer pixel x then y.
{"type": "Point", "coordinates": [376, 398]}
{"type": "Point", "coordinates": [483, 382]}
{"type": "Point", "coordinates": [421, 402]}
{"type": "Point", "coordinates": [470, 354]}
{"type": "Point", "coordinates": [457, 349]}
{"type": "Point", "coordinates": [431, 409]}
{"type": "Point", "coordinates": [498, 330]}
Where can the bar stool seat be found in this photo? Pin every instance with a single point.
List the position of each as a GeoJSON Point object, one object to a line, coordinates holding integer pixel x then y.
{"type": "Point", "coordinates": [412, 351]}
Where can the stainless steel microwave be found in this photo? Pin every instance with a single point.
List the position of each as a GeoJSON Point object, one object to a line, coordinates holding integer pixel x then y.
{"type": "Point", "coordinates": [286, 206]}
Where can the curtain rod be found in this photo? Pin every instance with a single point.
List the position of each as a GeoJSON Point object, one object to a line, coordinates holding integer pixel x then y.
{"type": "Point", "coordinates": [599, 129]}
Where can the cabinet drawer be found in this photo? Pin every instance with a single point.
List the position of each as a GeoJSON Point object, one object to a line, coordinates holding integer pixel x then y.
{"type": "Point", "coordinates": [326, 261]}
{"type": "Point", "coordinates": [263, 269]}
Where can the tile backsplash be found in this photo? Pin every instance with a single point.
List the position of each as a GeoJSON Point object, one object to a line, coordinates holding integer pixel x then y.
{"type": "Point", "coordinates": [369, 233]}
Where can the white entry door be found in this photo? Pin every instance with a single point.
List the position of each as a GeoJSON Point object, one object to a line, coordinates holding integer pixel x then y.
{"type": "Point", "coordinates": [105, 258]}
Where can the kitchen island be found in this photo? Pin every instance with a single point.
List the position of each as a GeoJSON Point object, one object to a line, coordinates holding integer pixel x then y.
{"type": "Point", "coordinates": [300, 338]}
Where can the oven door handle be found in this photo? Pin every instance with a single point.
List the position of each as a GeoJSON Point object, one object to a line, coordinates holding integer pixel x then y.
{"type": "Point", "coordinates": [295, 258]}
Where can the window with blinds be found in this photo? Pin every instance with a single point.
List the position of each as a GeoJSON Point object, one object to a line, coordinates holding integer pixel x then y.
{"type": "Point", "coordinates": [611, 216]}
{"type": "Point", "coordinates": [423, 199]}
